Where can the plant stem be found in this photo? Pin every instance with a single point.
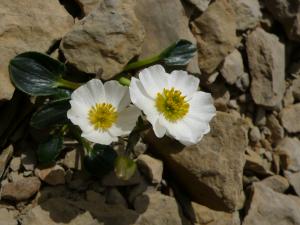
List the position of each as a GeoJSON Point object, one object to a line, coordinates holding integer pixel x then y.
{"type": "Point", "coordinates": [142, 63]}
{"type": "Point", "coordinates": [124, 81]}
{"type": "Point", "coordinates": [68, 84]}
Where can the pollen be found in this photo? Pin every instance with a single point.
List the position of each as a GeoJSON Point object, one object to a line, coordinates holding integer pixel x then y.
{"type": "Point", "coordinates": [172, 104]}
{"type": "Point", "coordinates": [102, 116]}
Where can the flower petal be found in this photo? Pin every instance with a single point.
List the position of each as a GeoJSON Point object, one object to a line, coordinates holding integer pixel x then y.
{"type": "Point", "coordinates": [116, 94]}
{"type": "Point", "coordinates": [126, 121]}
{"type": "Point", "coordinates": [181, 80]}
{"type": "Point", "coordinates": [141, 99]}
{"type": "Point", "coordinates": [154, 80]}
{"type": "Point", "coordinates": [159, 129]}
{"type": "Point", "coordinates": [90, 93]}
{"type": "Point", "coordinates": [99, 137]}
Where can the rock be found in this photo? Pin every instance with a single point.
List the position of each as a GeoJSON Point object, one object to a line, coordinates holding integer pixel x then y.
{"type": "Point", "coordinates": [254, 134]}
{"type": "Point", "coordinates": [289, 151]}
{"type": "Point", "coordinates": [20, 190]}
{"type": "Point", "coordinates": [80, 181]}
{"type": "Point", "coordinates": [33, 25]}
{"type": "Point", "coordinates": [28, 159]}
{"type": "Point", "coordinates": [204, 216]}
{"type": "Point", "coordinates": [15, 164]}
{"type": "Point", "coordinates": [54, 175]}
{"type": "Point", "coordinates": [296, 88]}
{"type": "Point", "coordinates": [266, 57]}
{"type": "Point", "coordinates": [156, 208]}
{"type": "Point", "coordinates": [220, 94]}
{"type": "Point", "coordinates": [87, 6]}
{"type": "Point", "coordinates": [15, 176]}
{"type": "Point", "coordinates": [112, 180]}
{"type": "Point", "coordinates": [57, 211]}
{"type": "Point", "coordinates": [289, 117]}
{"type": "Point", "coordinates": [201, 5]}
{"type": "Point", "coordinates": [5, 156]}
{"type": "Point", "coordinates": [233, 67]}
{"type": "Point", "coordinates": [138, 190]}
{"type": "Point", "coordinates": [105, 40]}
{"type": "Point", "coordinates": [294, 180]}
{"type": "Point", "coordinates": [152, 168]}
{"type": "Point", "coordinates": [7, 217]}
{"type": "Point", "coordinates": [277, 131]}
{"type": "Point", "coordinates": [256, 164]}
{"type": "Point", "coordinates": [215, 31]}
{"type": "Point", "coordinates": [287, 13]}
{"type": "Point", "coordinates": [93, 196]}
{"type": "Point", "coordinates": [114, 197]}
{"type": "Point", "coordinates": [269, 207]}
{"type": "Point", "coordinates": [247, 13]}
{"type": "Point", "coordinates": [74, 159]}
{"type": "Point", "coordinates": [276, 183]}
{"type": "Point", "coordinates": [243, 82]}
{"type": "Point", "coordinates": [212, 170]}
{"type": "Point", "coordinates": [164, 24]}
{"type": "Point", "coordinates": [288, 98]}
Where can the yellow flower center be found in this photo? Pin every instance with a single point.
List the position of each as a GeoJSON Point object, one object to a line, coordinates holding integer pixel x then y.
{"type": "Point", "coordinates": [102, 116]}
{"type": "Point", "coordinates": [172, 104]}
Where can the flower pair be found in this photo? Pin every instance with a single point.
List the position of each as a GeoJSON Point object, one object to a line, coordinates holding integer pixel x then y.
{"type": "Point", "coordinates": [171, 103]}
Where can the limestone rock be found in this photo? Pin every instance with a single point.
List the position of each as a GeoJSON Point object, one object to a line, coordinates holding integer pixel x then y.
{"type": "Point", "coordinates": [276, 182]}
{"type": "Point", "coordinates": [204, 216]}
{"type": "Point", "coordinates": [247, 13]}
{"type": "Point", "coordinates": [105, 40]}
{"type": "Point", "coordinates": [114, 197]}
{"type": "Point", "coordinates": [201, 5]}
{"type": "Point", "coordinates": [87, 6]}
{"type": "Point", "coordinates": [256, 164]}
{"type": "Point", "coordinates": [212, 170]}
{"type": "Point", "coordinates": [266, 57]}
{"type": "Point", "coordinates": [164, 24]}
{"type": "Point", "coordinates": [5, 156]}
{"type": "Point", "coordinates": [21, 190]}
{"type": "Point", "coordinates": [74, 159]}
{"type": "Point", "coordinates": [289, 151]}
{"type": "Point", "coordinates": [215, 32]}
{"type": "Point", "coordinates": [29, 159]}
{"type": "Point", "coordinates": [7, 217]}
{"type": "Point", "coordinates": [152, 168]}
{"type": "Point", "coordinates": [294, 180]}
{"type": "Point", "coordinates": [268, 207]}
{"type": "Point", "coordinates": [296, 88]}
{"type": "Point", "coordinates": [254, 134]}
{"type": "Point", "coordinates": [233, 67]}
{"type": "Point", "coordinates": [287, 13]}
{"type": "Point", "coordinates": [54, 175]}
{"type": "Point", "coordinates": [32, 25]}
{"type": "Point", "coordinates": [290, 118]}
{"type": "Point", "coordinates": [15, 164]}
{"type": "Point", "coordinates": [277, 131]}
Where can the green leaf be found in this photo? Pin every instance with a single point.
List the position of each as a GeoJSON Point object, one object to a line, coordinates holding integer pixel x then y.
{"type": "Point", "coordinates": [36, 74]}
{"type": "Point", "coordinates": [179, 54]}
{"type": "Point", "coordinates": [100, 160]}
{"type": "Point", "coordinates": [50, 149]}
{"type": "Point", "coordinates": [125, 167]}
{"type": "Point", "coordinates": [51, 114]}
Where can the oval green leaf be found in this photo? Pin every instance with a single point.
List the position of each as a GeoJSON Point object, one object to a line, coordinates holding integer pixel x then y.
{"type": "Point", "coordinates": [179, 54]}
{"type": "Point", "coordinates": [100, 161]}
{"type": "Point", "coordinates": [51, 114]}
{"type": "Point", "coordinates": [50, 149]}
{"type": "Point", "coordinates": [125, 167]}
{"type": "Point", "coordinates": [36, 74]}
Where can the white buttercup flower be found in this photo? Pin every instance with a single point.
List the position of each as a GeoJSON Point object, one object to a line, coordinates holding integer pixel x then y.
{"type": "Point", "coordinates": [103, 111]}
{"type": "Point", "coordinates": [173, 104]}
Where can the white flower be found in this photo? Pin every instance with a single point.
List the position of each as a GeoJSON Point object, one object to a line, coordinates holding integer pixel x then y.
{"type": "Point", "coordinates": [102, 111]}
{"type": "Point", "coordinates": [173, 104]}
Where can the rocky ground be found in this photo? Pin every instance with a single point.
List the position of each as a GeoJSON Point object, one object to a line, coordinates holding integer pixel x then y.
{"type": "Point", "coordinates": [245, 171]}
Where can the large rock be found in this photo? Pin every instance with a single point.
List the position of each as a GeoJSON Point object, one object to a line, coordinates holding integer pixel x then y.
{"type": "Point", "coordinates": [87, 5]}
{"type": "Point", "coordinates": [210, 171]}
{"type": "Point", "coordinates": [105, 40]}
{"type": "Point", "coordinates": [20, 190]}
{"type": "Point", "coordinates": [268, 207]}
{"type": "Point", "coordinates": [7, 217]}
{"type": "Point", "coordinates": [53, 175]}
{"type": "Point", "coordinates": [31, 25]}
{"type": "Point", "coordinates": [294, 180]}
{"type": "Point", "coordinates": [215, 32]}
{"type": "Point", "coordinates": [287, 12]}
{"type": "Point", "coordinates": [276, 183]}
{"type": "Point", "coordinates": [165, 22]}
{"type": "Point", "coordinates": [201, 5]}
{"type": "Point", "coordinates": [204, 216]}
{"type": "Point", "coordinates": [289, 151]}
{"type": "Point", "coordinates": [290, 118]}
{"type": "Point", "coordinates": [266, 57]}
{"type": "Point", "coordinates": [247, 13]}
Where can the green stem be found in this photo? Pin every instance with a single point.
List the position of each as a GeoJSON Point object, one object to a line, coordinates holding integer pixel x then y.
{"type": "Point", "coordinates": [124, 81]}
{"type": "Point", "coordinates": [68, 84]}
{"type": "Point", "coordinates": [142, 63]}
